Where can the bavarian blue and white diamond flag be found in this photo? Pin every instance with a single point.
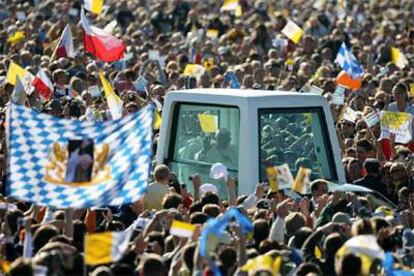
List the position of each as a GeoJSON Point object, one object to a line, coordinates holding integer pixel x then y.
{"type": "Point", "coordinates": [348, 62]}
{"type": "Point", "coordinates": [66, 163]}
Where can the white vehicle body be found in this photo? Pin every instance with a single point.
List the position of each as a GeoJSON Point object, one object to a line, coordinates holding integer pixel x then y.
{"type": "Point", "coordinates": [243, 113]}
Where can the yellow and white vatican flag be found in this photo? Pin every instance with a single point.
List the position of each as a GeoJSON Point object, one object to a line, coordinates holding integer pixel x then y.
{"type": "Point", "coordinates": [182, 229]}
{"type": "Point", "coordinates": [302, 180]}
{"type": "Point", "coordinates": [230, 5]}
{"type": "Point", "coordinates": [94, 6]}
{"type": "Point", "coordinates": [293, 31]}
{"type": "Point", "coordinates": [114, 102]}
{"type": "Point", "coordinates": [106, 247]}
{"type": "Point", "coordinates": [279, 177]}
{"type": "Point", "coordinates": [16, 71]}
{"type": "Point", "coordinates": [398, 58]}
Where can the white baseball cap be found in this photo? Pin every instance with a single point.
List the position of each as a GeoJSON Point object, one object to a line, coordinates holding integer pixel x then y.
{"type": "Point", "coordinates": [208, 188]}
{"type": "Point", "coordinates": [218, 170]}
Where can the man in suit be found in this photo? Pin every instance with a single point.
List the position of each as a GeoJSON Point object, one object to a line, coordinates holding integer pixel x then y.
{"type": "Point", "coordinates": [372, 178]}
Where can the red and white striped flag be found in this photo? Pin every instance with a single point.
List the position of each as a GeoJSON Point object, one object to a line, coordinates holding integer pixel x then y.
{"type": "Point", "coordinates": [101, 44]}
{"type": "Point", "coordinates": [43, 84]}
{"type": "Point", "coordinates": [64, 47]}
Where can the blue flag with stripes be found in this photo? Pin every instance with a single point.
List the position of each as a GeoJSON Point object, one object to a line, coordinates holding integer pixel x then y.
{"type": "Point", "coordinates": [348, 62]}
{"type": "Point", "coordinates": [65, 163]}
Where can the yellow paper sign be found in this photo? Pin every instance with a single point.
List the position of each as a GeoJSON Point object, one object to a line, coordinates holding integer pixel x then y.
{"type": "Point", "coordinates": [412, 90]}
{"type": "Point", "coordinates": [193, 70]}
{"type": "Point", "coordinates": [208, 122]}
{"type": "Point", "coordinates": [238, 11]}
{"type": "Point", "coordinates": [230, 5]}
{"type": "Point", "coordinates": [212, 33]}
{"type": "Point", "coordinates": [301, 180]}
{"type": "Point", "coordinates": [16, 37]}
{"type": "Point", "coordinates": [398, 58]}
{"type": "Point", "coordinates": [293, 31]}
{"type": "Point", "coordinates": [394, 119]}
{"type": "Point", "coordinates": [272, 178]}
{"type": "Point", "coordinates": [157, 120]}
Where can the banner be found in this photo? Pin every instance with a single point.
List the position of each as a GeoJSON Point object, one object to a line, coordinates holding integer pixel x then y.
{"type": "Point", "coordinates": [399, 123]}
{"type": "Point", "coordinates": [67, 163]}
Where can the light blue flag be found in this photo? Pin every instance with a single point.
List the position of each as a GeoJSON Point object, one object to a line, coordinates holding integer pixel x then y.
{"type": "Point", "coordinates": [232, 79]}
{"type": "Point", "coordinates": [234, 82]}
{"type": "Point", "coordinates": [388, 264]}
{"type": "Point", "coordinates": [66, 163]}
{"type": "Point", "coordinates": [348, 62]}
{"type": "Point", "coordinates": [215, 228]}
{"type": "Point", "coordinates": [140, 84]}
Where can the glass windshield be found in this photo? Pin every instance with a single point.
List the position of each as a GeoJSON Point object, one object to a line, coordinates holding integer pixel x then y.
{"type": "Point", "coordinates": [203, 135]}
{"type": "Point", "coordinates": [297, 137]}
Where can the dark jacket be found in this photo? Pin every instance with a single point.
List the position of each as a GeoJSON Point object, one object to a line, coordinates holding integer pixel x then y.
{"type": "Point", "coordinates": [374, 183]}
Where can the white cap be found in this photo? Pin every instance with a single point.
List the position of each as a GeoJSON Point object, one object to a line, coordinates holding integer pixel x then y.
{"type": "Point", "coordinates": [208, 188]}
{"type": "Point", "coordinates": [218, 170]}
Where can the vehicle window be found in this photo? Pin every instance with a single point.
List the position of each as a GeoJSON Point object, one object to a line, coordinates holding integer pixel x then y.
{"type": "Point", "coordinates": [203, 135]}
{"type": "Point", "coordinates": [297, 137]}
{"type": "Point", "coordinates": [377, 200]}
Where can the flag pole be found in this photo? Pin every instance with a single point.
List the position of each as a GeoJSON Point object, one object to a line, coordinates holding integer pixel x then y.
{"type": "Point", "coordinates": [53, 56]}
{"type": "Point", "coordinates": [85, 58]}
{"type": "Point", "coordinates": [8, 165]}
{"type": "Point", "coordinates": [85, 268]}
{"type": "Point", "coordinates": [85, 63]}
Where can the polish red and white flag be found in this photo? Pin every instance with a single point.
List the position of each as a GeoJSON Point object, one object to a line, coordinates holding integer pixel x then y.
{"type": "Point", "coordinates": [43, 84]}
{"type": "Point", "coordinates": [101, 44]}
{"type": "Point", "coordinates": [65, 44]}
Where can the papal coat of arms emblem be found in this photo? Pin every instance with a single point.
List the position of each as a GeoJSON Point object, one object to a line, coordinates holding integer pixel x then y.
{"type": "Point", "coordinates": [78, 163]}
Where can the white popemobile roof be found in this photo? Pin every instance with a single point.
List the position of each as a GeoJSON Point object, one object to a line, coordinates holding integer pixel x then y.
{"type": "Point", "coordinates": [239, 93]}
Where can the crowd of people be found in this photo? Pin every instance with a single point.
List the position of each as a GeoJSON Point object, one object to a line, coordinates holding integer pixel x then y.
{"type": "Point", "coordinates": [320, 234]}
